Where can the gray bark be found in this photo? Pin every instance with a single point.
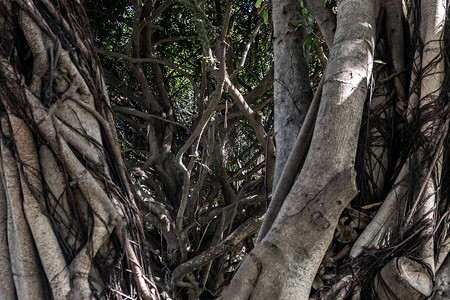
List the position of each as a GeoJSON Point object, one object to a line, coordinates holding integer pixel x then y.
{"type": "Point", "coordinates": [442, 290]}
{"type": "Point", "coordinates": [324, 18]}
{"type": "Point", "coordinates": [283, 267]}
{"type": "Point", "coordinates": [292, 92]}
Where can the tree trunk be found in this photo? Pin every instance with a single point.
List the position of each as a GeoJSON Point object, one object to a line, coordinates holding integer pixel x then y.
{"type": "Point", "coordinates": [292, 92]}
{"type": "Point", "coordinates": [70, 226]}
{"type": "Point", "coordinates": [281, 267]}
{"type": "Point", "coordinates": [402, 238]}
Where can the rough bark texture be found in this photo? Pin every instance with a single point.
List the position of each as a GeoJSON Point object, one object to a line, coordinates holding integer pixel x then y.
{"type": "Point", "coordinates": [69, 214]}
{"type": "Point", "coordinates": [442, 290]}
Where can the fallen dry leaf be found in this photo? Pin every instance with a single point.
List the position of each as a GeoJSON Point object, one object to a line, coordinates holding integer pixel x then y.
{"type": "Point", "coordinates": [318, 283]}
{"type": "Point", "coordinates": [369, 206]}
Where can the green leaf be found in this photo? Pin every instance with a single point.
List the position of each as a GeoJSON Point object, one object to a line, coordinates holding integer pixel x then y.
{"type": "Point", "coordinates": [258, 3]}
{"type": "Point", "coordinates": [305, 12]}
{"type": "Point", "coordinates": [266, 17]}
{"type": "Point", "coordinates": [295, 23]}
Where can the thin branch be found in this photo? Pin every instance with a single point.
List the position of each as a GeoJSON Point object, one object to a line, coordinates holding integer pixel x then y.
{"type": "Point", "coordinates": [247, 49]}
{"type": "Point", "coordinates": [216, 96]}
{"type": "Point", "coordinates": [173, 39]}
{"type": "Point", "coordinates": [248, 228]}
{"type": "Point", "coordinates": [145, 116]}
{"type": "Point", "coordinates": [156, 13]}
{"type": "Point", "coordinates": [149, 60]}
{"type": "Point", "coordinates": [248, 112]}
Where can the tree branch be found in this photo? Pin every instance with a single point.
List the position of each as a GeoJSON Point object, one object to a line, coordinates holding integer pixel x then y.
{"type": "Point", "coordinates": [248, 228]}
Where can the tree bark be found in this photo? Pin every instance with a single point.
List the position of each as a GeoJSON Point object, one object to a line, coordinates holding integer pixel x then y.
{"type": "Point", "coordinates": [281, 267]}
{"type": "Point", "coordinates": [70, 216]}
{"type": "Point", "coordinates": [292, 91]}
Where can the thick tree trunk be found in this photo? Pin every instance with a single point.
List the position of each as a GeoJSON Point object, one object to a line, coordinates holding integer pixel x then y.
{"type": "Point", "coordinates": [292, 91]}
{"type": "Point", "coordinates": [413, 207]}
{"type": "Point", "coordinates": [68, 215]}
{"type": "Point", "coordinates": [405, 243]}
{"type": "Point", "coordinates": [281, 267]}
